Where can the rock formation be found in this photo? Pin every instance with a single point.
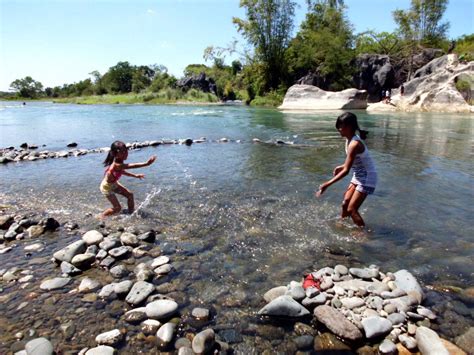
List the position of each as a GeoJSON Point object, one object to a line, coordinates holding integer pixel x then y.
{"type": "Point", "coordinates": [308, 97]}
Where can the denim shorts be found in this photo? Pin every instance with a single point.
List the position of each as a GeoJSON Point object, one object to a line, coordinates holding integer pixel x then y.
{"type": "Point", "coordinates": [365, 189]}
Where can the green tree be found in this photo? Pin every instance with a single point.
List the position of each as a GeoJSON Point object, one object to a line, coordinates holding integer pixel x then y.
{"type": "Point", "coordinates": [268, 27]}
{"type": "Point", "coordinates": [119, 78]}
{"type": "Point", "coordinates": [387, 43]}
{"type": "Point", "coordinates": [465, 47]}
{"type": "Point", "coordinates": [323, 46]}
{"type": "Point", "coordinates": [27, 87]}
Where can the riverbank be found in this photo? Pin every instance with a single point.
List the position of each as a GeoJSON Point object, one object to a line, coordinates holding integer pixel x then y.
{"type": "Point", "coordinates": [128, 286]}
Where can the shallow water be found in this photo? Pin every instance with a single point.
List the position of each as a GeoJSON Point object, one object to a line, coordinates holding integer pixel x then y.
{"type": "Point", "coordinates": [241, 217]}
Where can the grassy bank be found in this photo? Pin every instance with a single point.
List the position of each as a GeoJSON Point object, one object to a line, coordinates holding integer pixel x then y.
{"type": "Point", "coordinates": [166, 96]}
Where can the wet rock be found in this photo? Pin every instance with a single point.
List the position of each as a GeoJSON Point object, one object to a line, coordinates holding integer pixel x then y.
{"type": "Point", "coordinates": [107, 262]}
{"type": "Point", "coordinates": [135, 316]}
{"type": "Point", "coordinates": [387, 347]}
{"type": "Point", "coordinates": [143, 272]}
{"type": "Point", "coordinates": [83, 261]}
{"type": "Point", "coordinates": [161, 309]}
{"type": "Point", "coordinates": [304, 342]}
{"type": "Point", "coordinates": [466, 340]}
{"type": "Point", "coordinates": [88, 285]}
{"type": "Point", "coordinates": [407, 282]}
{"type": "Point", "coordinates": [329, 343]}
{"type": "Point", "coordinates": [118, 271]}
{"type": "Point", "coordinates": [149, 236]}
{"type": "Point", "coordinates": [67, 253]}
{"type": "Point", "coordinates": [50, 224]}
{"type": "Point", "coordinates": [93, 237]}
{"type": "Point", "coordinates": [163, 269]}
{"type": "Point", "coordinates": [123, 288]}
{"type": "Point", "coordinates": [364, 273]}
{"type": "Point", "coordinates": [425, 312]}
{"type": "Point", "coordinates": [6, 222]}
{"type": "Point", "coordinates": [55, 283]}
{"type": "Point", "coordinates": [429, 342]}
{"type": "Point", "coordinates": [166, 332]}
{"type": "Point", "coordinates": [150, 326]}
{"type": "Point", "coordinates": [284, 306]}
{"type": "Point", "coordinates": [101, 350]}
{"type": "Point", "coordinates": [129, 239]}
{"type": "Point", "coordinates": [35, 231]}
{"type": "Point", "coordinates": [231, 336]}
{"type": "Point", "coordinates": [36, 247]}
{"type": "Point", "coordinates": [341, 270]}
{"type": "Point", "coordinates": [112, 338]}
{"type": "Point", "coordinates": [297, 292]}
{"type": "Point", "coordinates": [407, 341]}
{"type": "Point", "coordinates": [337, 322]}
{"type": "Point", "coordinates": [275, 292]}
{"type": "Point", "coordinates": [120, 252]}
{"type": "Point", "coordinates": [39, 346]}
{"type": "Point", "coordinates": [184, 350]}
{"type": "Point", "coordinates": [396, 318]}
{"type": "Point", "coordinates": [139, 292]}
{"type": "Point", "coordinates": [204, 341]}
{"type": "Point", "coordinates": [200, 313]}
{"type": "Point", "coordinates": [315, 301]}
{"type": "Point", "coordinates": [109, 243]}
{"type": "Point", "coordinates": [72, 145]}
{"type": "Point", "coordinates": [376, 326]}
{"type": "Point", "coordinates": [161, 260]}
{"type": "Point", "coordinates": [107, 290]}
{"type": "Point", "coordinates": [452, 349]}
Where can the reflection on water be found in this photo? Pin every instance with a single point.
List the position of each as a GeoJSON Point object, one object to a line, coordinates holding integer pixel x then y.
{"type": "Point", "coordinates": [245, 212]}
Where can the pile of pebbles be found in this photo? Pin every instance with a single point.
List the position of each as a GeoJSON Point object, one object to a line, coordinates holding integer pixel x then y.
{"type": "Point", "coordinates": [363, 305]}
{"type": "Point", "coordinates": [156, 314]}
{"type": "Point", "coordinates": [30, 152]}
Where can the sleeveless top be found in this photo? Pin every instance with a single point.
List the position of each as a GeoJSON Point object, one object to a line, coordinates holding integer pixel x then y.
{"type": "Point", "coordinates": [114, 173]}
{"type": "Point", "coordinates": [363, 166]}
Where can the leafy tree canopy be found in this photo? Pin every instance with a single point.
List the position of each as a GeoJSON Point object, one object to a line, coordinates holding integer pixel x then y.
{"type": "Point", "coordinates": [27, 87]}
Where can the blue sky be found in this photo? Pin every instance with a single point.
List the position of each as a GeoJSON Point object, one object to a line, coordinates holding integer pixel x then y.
{"type": "Point", "coordinates": [61, 41]}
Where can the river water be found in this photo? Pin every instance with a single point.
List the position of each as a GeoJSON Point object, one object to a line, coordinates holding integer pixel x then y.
{"type": "Point", "coordinates": [241, 217]}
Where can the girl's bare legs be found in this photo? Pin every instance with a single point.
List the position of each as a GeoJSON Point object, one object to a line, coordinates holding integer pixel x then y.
{"type": "Point", "coordinates": [122, 190]}
{"type": "Point", "coordinates": [347, 198]}
{"type": "Point", "coordinates": [353, 208]}
{"type": "Point", "coordinates": [116, 208]}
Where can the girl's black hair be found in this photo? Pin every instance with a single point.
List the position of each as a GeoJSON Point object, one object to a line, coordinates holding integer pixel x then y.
{"type": "Point", "coordinates": [349, 119]}
{"type": "Point", "coordinates": [114, 148]}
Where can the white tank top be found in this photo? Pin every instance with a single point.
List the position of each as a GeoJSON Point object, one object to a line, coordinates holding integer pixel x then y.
{"type": "Point", "coordinates": [363, 166]}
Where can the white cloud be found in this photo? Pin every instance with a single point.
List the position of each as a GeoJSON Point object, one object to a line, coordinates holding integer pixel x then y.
{"type": "Point", "coordinates": [150, 12]}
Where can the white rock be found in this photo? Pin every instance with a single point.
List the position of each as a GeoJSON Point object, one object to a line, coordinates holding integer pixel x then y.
{"type": "Point", "coordinates": [101, 350]}
{"type": "Point", "coordinates": [429, 342]}
{"type": "Point", "coordinates": [111, 338]}
{"type": "Point", "coordinates": [89, 285]}
{"type": "Point", "coordinates": [161, 260]}
{"type": "Point", "coordinates": [92, 237]}
{"type": "Point", "coordinates": [39, 346]}
{"type": "Point", "coordinates": [161, 309]}
{"type": "Point", "coordinates": [166, 333]}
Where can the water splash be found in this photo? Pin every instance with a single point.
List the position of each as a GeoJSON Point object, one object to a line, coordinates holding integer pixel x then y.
{"type": "Point", "coordinates": [149, 197]}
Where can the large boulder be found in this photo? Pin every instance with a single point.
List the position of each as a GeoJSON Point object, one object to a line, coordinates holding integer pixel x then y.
{"type": "Point", "coordinates": [374, 73]}
{"type": "Point", "coordinates": [307, 97]}
{"type": "Point", "coordinates": [200, 82]}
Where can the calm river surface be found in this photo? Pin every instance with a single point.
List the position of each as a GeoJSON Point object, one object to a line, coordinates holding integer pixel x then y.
{"type": "Point", "coordinates": [242, 216]}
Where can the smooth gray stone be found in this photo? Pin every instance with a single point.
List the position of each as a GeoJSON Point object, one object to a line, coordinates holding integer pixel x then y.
{"type": "Point", "coordinates": [415, 316]}
{"type": "Point", "coordinates": [378, 287]}
{"type": "Point", "coordinates": [163, 269]}
{"type": "Point", "coordinates": [396, 318]}
{"type": "Point", "coordinates": [101, 350]}
{"type": "Point", "coordinates": [101, 254]}
{"type": "Point", "coordinates": [112, 337]}
{"type": "Point", "coordinates": [337, 323]}
{"type": "Point", "coordinates": [150, 326]}
{"type": "Point", "coordinates": [200, 313]}
{"type": "Point", "coordinates": [352, 302]}
{"type": "Point", "coordinates": [304, 342]}
{"type": "Point", "coordinates": [161, 260]}
{"type": "Point", "coordinates": [407, 282]}
{"type": "Point", "coordinates": [69, 269]}
{"type": "Point", "coordinates": [118, 271]}
{"type": "Point", "coordinates": [387, 347]}
{"type": "Point", "coordinates": [92, 249]}
{"type": "Point", "coordinates": [466, 340]}
{"type": "Point", "coordinates": [107, 290]}
{"type": "Point", "coordinates": [161, 309]}
{"type": "Point", "coordinates": [93, 237]}
{"type": "Point", "coordinates": [123, 288]}
{"type": "Point", "coordinates": [136, 315]}
{"type": "Point", "coordinates": [204, 341]}
{"type": "Point", "coordinates": [297, 293]}
{"type": "Point", "coordinates": [341, 269]}
{"type": "Point", "coordinates": [120, 252]}
{"type": "Point", "coordinates": [364, 273]}
{"type": "Point", "coordinates": [398, 292]}
{"type": "Point", "coordinates": [89, 285]}
{"type": "Point", "coordinates": [375, 302]}
{"type": "Point", "coordinates": [425, 312]}
{"type": "Point", "coordinates": [184, 350]}
{"type": "Point", "coordinates": [143, 272]}
{"type": "Point", "coordinates": [107, 262]}
{"type": "Point", "coordinates": [329, 271]}
{"type": "Point", "coordinates": [139, 292]}
{"type": "Point", "coordinates": [55, 283]}
{"type": "Point", "coordinates": [39, 346]}
{"type": "Point", "coordinates": [376, 326]}
{"type": "Point", "coordinates": [83, 261]}
{"type": "Point", "coordinates": [147, 237]}
{"type": "Point", "coordinates": [129, 239]}
{"type": "Point", "coordinates": [35, 231]}
{"type": "Point", "coordinates": [284, 306]}
{"type": "Point", "coordinates": [312, 292]}
{"type": "Point", "coordinates": [315, 301]}
{"type": "Point", "coordinates": [429, 342]}
{"type": "Point", "coordinates": [166, 333]}
{"type": "Point", "coordinates": [275, 292]}
{"type": "Point", "coordinates": [407, 341]}
{"type": "Point", "coordinates": [67, 253]}
{"type": "Point", "coordinates": [109, 243]}
{"type": "Point", "coordinates": [403, 303]}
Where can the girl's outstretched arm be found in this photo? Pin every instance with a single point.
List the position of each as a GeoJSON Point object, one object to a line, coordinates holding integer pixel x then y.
{"type": "Point", "coordinates": [342, 170]}
{"type": "Point", "coordinates": [138, 165]}
{"type": "Point", "coordinates": [138, 176]}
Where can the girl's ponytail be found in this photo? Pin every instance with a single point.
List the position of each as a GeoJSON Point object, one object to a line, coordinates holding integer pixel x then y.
{"type": "Point", "coordinates": [363, 134]}
{"type": "Point", "coordinates": [109, 159]}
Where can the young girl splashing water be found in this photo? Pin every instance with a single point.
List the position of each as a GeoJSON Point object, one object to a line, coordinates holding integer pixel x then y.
{"type": "Point", "coordinates": [115, 169]}
{"type": "Point", "coordinates": [364, 179]}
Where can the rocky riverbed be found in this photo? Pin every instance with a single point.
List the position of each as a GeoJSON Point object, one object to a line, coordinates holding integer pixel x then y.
{"type": "Point", "coordinates": [117, 286]}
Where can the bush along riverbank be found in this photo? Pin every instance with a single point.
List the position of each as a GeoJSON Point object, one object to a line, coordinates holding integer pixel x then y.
{"type": "Point", "coordinates": [117, 288]}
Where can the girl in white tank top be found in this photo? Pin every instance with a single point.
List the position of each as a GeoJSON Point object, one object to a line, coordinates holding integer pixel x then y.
{"type": "Point", "coordinates": [364, 178]}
